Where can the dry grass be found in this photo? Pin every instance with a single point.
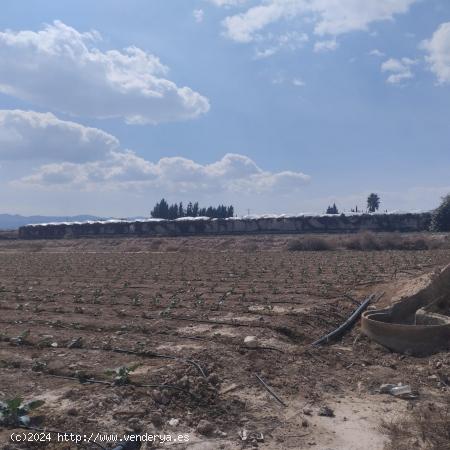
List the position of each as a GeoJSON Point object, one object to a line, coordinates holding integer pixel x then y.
{"type": "Point", "coordinates": [426, 428]}
{"type": "Point", "coordinates": [311, 243]}
{"type": "Point", "coordinates": [368, 241]}
{"type": "Point", "coordinates": [9, 234]}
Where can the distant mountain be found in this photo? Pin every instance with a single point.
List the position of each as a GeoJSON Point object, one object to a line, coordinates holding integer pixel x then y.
{"type": "Point", "coordinates": [14, 221]}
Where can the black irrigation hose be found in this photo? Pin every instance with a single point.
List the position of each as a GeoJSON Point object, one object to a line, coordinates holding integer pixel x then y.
{"type": "Point", "coordinates": [81, 380]}
{"type": "Point", "coordinates": [109, 383]}
{"type": "Point", "coordinates": [158, 355]}
{"type": "Point", "coordinates": [261, 348]}
{"type": "Point", "coordinates": [347, 325]}
{"type": "Point", "coordinates": [127, 446]}
{"type": "Point", "coordinates": [144, 353]}
{"type": "Point", "coordinates": [270, 391]}
{"type": "Point", "coordinates": [213, 322]}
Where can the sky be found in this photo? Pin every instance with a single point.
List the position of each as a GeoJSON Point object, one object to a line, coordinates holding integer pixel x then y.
{"type": "Point", "coordinates": [274, 106]}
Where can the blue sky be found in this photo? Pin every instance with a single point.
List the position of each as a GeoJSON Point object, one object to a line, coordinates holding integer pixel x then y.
{"type": "Point", "coordinates": [290, 104]}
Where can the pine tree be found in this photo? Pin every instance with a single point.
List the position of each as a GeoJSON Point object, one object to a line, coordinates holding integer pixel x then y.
{"type": "Point", "coordinates": [173, 212]}
{"type": "Point", "coordinates": [195, 210]}
{"type": "Point", "coordinates": [332, 209]}
{"type": "Point", "coordinates": [163, 210]}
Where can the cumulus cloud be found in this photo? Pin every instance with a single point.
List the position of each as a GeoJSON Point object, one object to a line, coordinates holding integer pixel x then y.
{"type": "Point", "coordinates": [330, 17]}
{"type": "Point", "coordinates": [32, 135]}
{"type": "Point", "coordinates": [438, 53]}
{"type": "Point", "coordinates": [73, 156]}
{"type": "Point", "coordinates": [291, 41]}
{"type": "Point", "coordinates": [245, 26]}
{"type": "Point", "coordinates": [227, 2]}
{"type": "Point", "coordinates": [399, 69]}
{"type": "Point", "coordinates": [59, 67]}
{"type": "Point", "coordinates": [376, 52]}
{"type": "Point", "coordinates": [233, 173]}
{"type": "Point", "coordinates": [325, 46]}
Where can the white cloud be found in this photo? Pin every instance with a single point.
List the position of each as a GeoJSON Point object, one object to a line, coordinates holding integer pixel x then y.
{"type": "Point", "coordinates": [59, 68]}
{"type": "Point", "coordinates": [376, 52]}
{"type": "Point", "coordinates": [280, 78]}
{"type": "Point", "coordinates": [330, 17]}
{"type": "Point", "coordinates": [73, 156]}
{"type": "Point", "coordinates": [290, 41]}
{"type": "Point", "coordinates": [266, 53]}
{"type": "Point", "coordinates": [343, 16]}
{"type": "Point", "coordinates": [26, 135]}
{"type": "Point", "coordinates": [199, 15]}
{"type": "Point", "coordinates": [399, 69]}
{"type": "Point", "coordinates": [244, 27]}
{"type": "Point", "coordinates": [326, 46]}
{"type": "Point", "coordinates": [227, 2]}
{"type": "Point", "coordinates": [438, 53]}
{"type": "Point", "coordinates": [298, 82]}
{"type": "Point", "coordinates": [233, 173]}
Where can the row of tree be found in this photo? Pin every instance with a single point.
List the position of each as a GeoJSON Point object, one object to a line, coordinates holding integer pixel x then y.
{"type": "Point", "coordinates": [373, 203]}
{"type": "Point", "coordinates": [440, 220]}
{"type": "Point", "coordinates": [162, 210]}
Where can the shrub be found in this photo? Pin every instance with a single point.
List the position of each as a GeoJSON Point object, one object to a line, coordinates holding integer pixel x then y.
{"type": "Point", "coordinates": [440, 218]}
{"type": "Point", "coordinates": [394, 241]}
{"type": "Point", "coordinates": [363, 241]}
{"type": "Point", "coordinates": [369, 241]}
{"type": "Point", "coordinates": [310, 244]}
{"type": "Point", "coordinates": [416, 244]}
{"type": "Point", "coordinates": [426, 427]}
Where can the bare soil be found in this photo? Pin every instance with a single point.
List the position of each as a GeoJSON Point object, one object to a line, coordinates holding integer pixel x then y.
{"type": "Point", "coordinates": [196, 299]}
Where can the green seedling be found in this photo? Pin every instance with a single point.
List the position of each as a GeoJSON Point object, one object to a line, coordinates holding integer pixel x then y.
{"type": "Point", "coordinates": [22, 339]}
{"type": "Point", "coordinates": [121, 374]}
{"type": "Point", "coordinates": [14, 412]}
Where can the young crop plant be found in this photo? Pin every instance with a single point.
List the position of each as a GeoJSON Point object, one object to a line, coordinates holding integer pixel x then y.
{"type": "Point", "coordinates": [173, 303]}
{"type": "Point", "coordinates": [14, 412]}
{"type": "Point", "coordinates": [121, 374]}
{"type": "Point", "coordinates": [199, 301]}
{"type": "Point", "coordinates": [22, 339]}
{"type": "Point", "coordinates": [136, 301]}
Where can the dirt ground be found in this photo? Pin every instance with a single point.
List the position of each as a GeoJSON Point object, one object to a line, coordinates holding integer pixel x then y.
{"type": "Point", "coordinates": [178, 311]}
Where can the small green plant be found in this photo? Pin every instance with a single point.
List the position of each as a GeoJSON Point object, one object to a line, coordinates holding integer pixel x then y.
{"type": "Point", "coordinates": [15, 412]}
{"type": "Point", "coordinates": [168, 310]}
{"type": "Point", "coordinates": [22, 339]}
{"type": "Point", "coordinates": [39, 366]}
{"type": "Point", "coordinates": [121, 375]}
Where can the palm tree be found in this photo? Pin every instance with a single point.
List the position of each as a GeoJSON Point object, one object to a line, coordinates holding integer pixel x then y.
{"type": "Point", "coordinates": [373, 202]}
